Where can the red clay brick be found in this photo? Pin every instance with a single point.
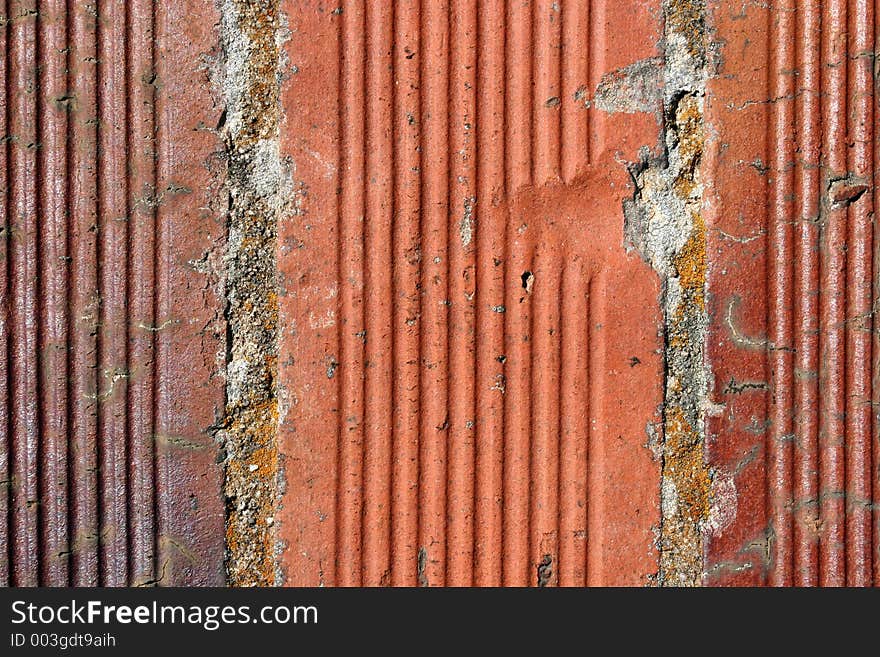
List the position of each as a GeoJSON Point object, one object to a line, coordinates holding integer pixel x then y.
{"type": "Point", "coordinates": [791, 249]}
{"type": "Point", "coordinates": [109, 337]}
{"type": "Point", "coordinates": [470, 358]}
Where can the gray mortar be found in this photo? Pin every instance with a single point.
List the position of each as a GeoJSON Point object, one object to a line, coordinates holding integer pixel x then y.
{"type": "Point", "coordinates": [658, 222]}
{"type": "Point", "coordinates": [251, 35]}
{"type": "Point", "coordinates": [633, 88]}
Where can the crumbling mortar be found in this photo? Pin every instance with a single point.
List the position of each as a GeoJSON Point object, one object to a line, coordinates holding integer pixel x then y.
{"type": "Point", "coordinates": [664, 222]}
{"type": "Point", "coordinates": [251, 36]}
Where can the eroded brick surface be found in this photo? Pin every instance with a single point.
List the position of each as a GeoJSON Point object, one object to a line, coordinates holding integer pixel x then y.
{"type": "Point", "coordinates": [111, 330]}
{"type": "Point", "coordinates": [791, 161]}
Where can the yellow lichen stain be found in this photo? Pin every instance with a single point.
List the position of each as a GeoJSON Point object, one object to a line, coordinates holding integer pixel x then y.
{"type": "Point", "coordinates": [685, 465]}
{"type": "Point", "coordinates": [270, 323]}
{"type": "Point", "coordinates": [690, 143]}
{"type": "Point", "coordinates": [249, 540]}
{"type": "Point", "coordinates": [689, 128]}
{"type": "Point", "coordinates": [259, 21]}
{"type": "Point", "coordinates": [690, 263]}
{"type": "Point", "coordinates": [686, 18]}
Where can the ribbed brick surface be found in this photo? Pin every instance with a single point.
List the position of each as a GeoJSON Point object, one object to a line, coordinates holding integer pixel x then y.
{"type": "Point", "coordinates": [108, 334]}
{"type": "Point", "coordinates": [470, 359]}
{"type": "Point", "coordinates": [792, 281]}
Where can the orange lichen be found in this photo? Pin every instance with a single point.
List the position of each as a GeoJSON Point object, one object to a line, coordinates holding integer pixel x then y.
{"type": "Point", "coordinates": [686, 17]}
{"type": "Point", "coordinates": [249, 540]}
{"type": "Point", "coordinates": [685, 466]}
{"type": "Point", "coordinates": [690, 263]}
{"type": "Point", "coordinates": [259, 21]}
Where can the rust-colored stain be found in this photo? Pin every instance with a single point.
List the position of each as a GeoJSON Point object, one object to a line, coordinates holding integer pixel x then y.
{"type": "Point", "coordinates": [110, 329]}
{"type": "Point", "coordinates": [793, 342]}
{"type": "Point", "coordinates": [470, 367]}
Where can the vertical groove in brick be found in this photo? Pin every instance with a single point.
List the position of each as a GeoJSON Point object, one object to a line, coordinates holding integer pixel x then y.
{"type": "Point", "coordinates": [113, 201]}
{"type": "Point", "coordinates": [406, 307]}
{"type": "Point", "coordinates": [859, 298]}
{"type": "Point", "coordinates": [545, 370]}
{"type": "Point", "coordinates": [378, 222]}
{"type": "Point", "coordinates": [596, 66]}
{"type": "Point", "coordinates": [491, 273]}
{"type": "Point", "coordinates": [780, 446]}
{"type": "Point", "coordinates": [84, 298]}
{"type": "Point", "coordinates": [518, 95]}
{"type": "Point", "coordinates": [23, 336]}
{"type": "Point", "coordinates": [575, 53]}
{"type": "Point", "coordinates": [517, 420]}
{"type": "Point", "coordinates": [874, 196]}
{"type": "Point", "coordinates": [832, 300]}
{"type": "Point", "coordinates": [6, 500]}
{"type": "Point", "coordinates": [352, 149]}
{"type": "Point", "coordinates": [596, 461]}
{"type": "Point", "coordinates": [143, 197]}
{"type": "Point", "coordinates": [547, 22]}
{"type": "Point", "coordinates": [406, 265]}
{"type": "Point", "coordinates": [52, 187]}
{"type": "Point", "coordinates": [806, 305]}
{"type": "Point", "coordinates": [462, 287]}
{"type": "Point", "coordinates": [517, 346]}
{"type": "Point", "coordinates": [434, 380]}
{"type": "Point", "coordinates": [575, 414]}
